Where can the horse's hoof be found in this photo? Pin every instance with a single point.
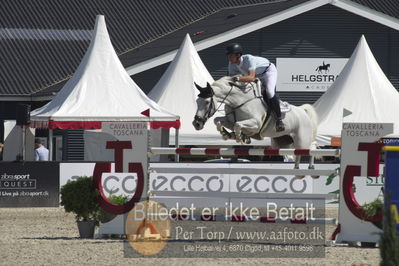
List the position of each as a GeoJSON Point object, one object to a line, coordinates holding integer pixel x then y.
{"type": "Point", "coordinates": [245, 139]}
{"type": "Point", "coordinates": [219, 127]}
{"type": "Point", "coordinates": [225, 132]}
{"type": "Point", "coordinates": [311, 167]}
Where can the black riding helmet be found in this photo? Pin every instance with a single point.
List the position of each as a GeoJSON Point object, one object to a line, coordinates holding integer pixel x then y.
{"type": "Point", "coordinates": [233, 48]}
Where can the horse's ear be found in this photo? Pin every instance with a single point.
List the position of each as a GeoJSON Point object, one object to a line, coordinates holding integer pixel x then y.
{"type": "Point", "coordinates": [208, 85]}
{"type": "Point", "coordinates": [209, 88]}
{"type": "Point", "coordinates": [198, 87]}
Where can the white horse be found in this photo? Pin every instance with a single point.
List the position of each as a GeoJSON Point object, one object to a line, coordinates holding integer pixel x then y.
{"type": "Point", "coordinates": [246, 114]}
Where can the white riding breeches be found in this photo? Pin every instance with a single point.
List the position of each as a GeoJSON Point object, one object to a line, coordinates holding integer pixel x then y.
{"type": "Point", "coordinates": [269, 80]}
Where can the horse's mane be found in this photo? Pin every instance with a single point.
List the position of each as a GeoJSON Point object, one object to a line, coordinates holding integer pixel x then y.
{"type": "Point", "coordinates": [223, 84]}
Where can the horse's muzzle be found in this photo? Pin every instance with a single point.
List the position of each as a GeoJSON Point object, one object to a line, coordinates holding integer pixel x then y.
{"type": "Point", "coordinates": [198, 122]}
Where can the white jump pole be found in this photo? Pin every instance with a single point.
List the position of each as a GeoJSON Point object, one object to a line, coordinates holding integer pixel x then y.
{"type": "Point", "coordinates": [234, 151]}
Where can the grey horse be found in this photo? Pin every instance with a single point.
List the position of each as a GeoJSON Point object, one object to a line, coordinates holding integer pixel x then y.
{"type": "Point", "coordinates": [246, 116]}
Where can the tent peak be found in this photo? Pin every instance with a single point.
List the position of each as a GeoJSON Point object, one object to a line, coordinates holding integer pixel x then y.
{"type": "Point", "coordinates": [100, 90]}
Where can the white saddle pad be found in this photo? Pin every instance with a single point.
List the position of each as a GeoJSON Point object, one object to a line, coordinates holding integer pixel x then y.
{"type": "Point", "coordinates": [285, 107]}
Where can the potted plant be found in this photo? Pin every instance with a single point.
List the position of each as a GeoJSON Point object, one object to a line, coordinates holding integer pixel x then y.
{"type": "Point", "coordinates": [373, 208]}
{"type": "Point", "coordinates": [79, 196]}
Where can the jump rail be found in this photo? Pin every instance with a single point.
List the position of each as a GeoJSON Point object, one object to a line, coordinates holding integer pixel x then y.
{"type": "Point", "coordinates": [247, 195]}
{"type": "Point", "coordinates": [261, 219]}
{"type": "Point", "coordinates": [240, 151]}
{"type": "Point", "coordinates": [238, 170]}
{"type": "Point", "coordinates": [390, 148]}
{"type": "Point", "coordinates": [242, 195]}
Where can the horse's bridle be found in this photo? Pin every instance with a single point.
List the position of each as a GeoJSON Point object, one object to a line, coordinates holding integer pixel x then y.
{"type": "Point", "coordinates": [207, 114]}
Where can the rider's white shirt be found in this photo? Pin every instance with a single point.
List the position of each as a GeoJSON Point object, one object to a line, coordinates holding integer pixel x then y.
{"type": "Point", "coordinates": [249, 62]}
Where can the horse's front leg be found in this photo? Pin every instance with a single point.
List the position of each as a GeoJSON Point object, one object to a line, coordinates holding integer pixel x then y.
{"type": "Point", "coordinates": [221, 124]}
{"type": "Point", "coordinates": [244, 129]}
{"type": "Point", "coordinates": [237, 132]}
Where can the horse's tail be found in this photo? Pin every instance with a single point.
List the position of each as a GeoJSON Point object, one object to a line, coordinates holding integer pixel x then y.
{"type": "Point", "coordinates": [310, 111]}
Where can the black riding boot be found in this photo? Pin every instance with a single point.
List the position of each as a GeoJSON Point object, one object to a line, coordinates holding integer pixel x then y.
{"type": "Point", "coordinates": [275, 105]}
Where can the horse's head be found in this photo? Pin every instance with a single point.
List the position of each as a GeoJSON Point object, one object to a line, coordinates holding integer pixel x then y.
{"type": "Point", "coordinates": [206, 106]}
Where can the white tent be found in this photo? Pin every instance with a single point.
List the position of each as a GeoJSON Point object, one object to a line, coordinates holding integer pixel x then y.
{"type": "Point", "coordinates": [361, 93]}
{"type": "Point", "coordinates": [13, 142]}
{"type": "Point", "coordinates": [100, 90]}
{"type": "Point", "coordinates": [176, 92]}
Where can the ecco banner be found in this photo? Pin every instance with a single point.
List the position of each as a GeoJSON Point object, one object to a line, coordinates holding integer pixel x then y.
{"type": "Point", "coordinates": [308, 74]}
{"type": "Point", "coordinates": [125, 183]}
{"type": "Point", "coordinates": [29, 184]}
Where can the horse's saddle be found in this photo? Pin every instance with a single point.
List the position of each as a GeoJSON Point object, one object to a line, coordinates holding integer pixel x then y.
{"type": "Point", "coordinates": [284, 106]}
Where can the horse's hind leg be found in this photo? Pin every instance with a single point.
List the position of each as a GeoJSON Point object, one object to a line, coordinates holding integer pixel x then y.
{"type": "Point", "coordinates": [297, 162]}
{"type": "Point", "coordinates": [302, 140]}
{"type": "Point", "coordinates": [311, 167]}
{"type": "Point", "coordinates": [284, 142]}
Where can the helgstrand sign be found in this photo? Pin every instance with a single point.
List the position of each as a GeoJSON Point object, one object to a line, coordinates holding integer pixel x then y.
{"type": "Point", "coordinates": [308, 74]}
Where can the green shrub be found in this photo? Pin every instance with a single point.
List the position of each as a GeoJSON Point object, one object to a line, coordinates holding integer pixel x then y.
{"type": "Point", "coordinates": [104, 216]}
{"type": "Point", "coordinates": [79, 197]}
{"type": "Point", "coordinates": [370, 209]}
{"type": "Point", "coordinates": [118, 200]}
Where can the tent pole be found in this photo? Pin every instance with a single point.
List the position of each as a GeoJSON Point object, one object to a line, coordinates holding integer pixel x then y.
{"type": "Point", "coordinates": [50, 144]}
{"type": "Point", "coordinates": [177, 159]}
{"type": "Point", "coordinates": [23, 129]}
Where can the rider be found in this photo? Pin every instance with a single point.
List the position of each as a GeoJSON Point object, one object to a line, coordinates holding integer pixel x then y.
{"type": "Point", "coordinates": [251, 67]}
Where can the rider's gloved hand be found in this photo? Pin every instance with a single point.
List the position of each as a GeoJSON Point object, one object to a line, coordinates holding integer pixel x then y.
{"type": "Point", "coordinates": [236, 79]}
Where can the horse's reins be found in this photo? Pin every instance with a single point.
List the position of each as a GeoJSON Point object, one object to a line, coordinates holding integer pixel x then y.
{"type": "Point", "coordinates": [222, 102]}
{"type": "Point", "coordinates": [244, 103]}
{"type": "Point", "coordinates": [232, 85]}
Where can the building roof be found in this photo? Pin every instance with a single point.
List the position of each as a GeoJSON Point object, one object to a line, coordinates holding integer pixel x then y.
{"type": "Point", "coordinates": [43, 41]}
{"type": "Point", "coordinates": [219, 22]}
{"type": "Point", "coordinates": [387, 7]}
